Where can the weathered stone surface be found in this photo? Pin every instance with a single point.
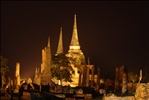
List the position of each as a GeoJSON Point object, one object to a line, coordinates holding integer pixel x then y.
{"type": "Point", "coordinates": [142, 91]}
{"type": "Point", "coordinates": [113, 97]}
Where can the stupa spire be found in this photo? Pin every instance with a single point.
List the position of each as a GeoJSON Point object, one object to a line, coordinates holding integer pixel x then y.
{"type": "Point", "coordinates": [74, 40]}
{"type": "Point", "coordinates": [60, 43]}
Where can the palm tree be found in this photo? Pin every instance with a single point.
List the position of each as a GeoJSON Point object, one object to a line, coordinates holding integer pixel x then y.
{"type": "Point", "coordinates": [61, 68]}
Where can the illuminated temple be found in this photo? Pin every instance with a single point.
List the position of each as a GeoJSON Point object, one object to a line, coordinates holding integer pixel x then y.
{"type": "Point", "coordinates": [83, 73]}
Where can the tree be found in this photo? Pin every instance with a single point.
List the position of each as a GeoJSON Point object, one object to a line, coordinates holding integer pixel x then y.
{"type": "Point", "coordinates": [4, 69]}
{"type": "Point", "coordinates": [61, 68]}
{"type": "Point", "coordinates": [4, 66]}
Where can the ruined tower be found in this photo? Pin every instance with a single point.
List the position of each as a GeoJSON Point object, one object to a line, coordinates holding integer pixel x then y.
{"type": "Point", "coordinates": [45, 66]}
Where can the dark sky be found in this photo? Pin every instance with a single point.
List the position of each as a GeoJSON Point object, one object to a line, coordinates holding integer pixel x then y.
{"type": "Point", "coordinates": [110, 33]}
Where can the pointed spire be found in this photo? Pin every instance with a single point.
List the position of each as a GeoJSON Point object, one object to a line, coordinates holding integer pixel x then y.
{"type": "Point", "coordinates": [48, 42]}
{"type": "Point", "coordinates": [60, 43]}
{"type": "Point", "coordinates": [74, 40]}
{"type": "Point", "coordinates": [88, 61]}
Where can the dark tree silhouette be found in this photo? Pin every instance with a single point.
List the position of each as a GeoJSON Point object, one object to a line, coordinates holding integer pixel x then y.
{"type": "Point", "coordinates": [4, 68]}
{"type": "Point", "coordinates": [61, 68]}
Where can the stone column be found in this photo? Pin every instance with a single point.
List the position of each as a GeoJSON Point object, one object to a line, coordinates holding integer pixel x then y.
{"type": "Point", "coordinates": [98, 78]}
{"type": "Point", "coordinates": [81, 73]}
{"type": "Point", "coordinates": [124, 83]}
{"type": "Point", "coordinates": [121, 70]}
{"type": "Point", "coordinates": [9, 80]}
{"type": "Point", "coordinates": [140, 76]}
{"type": "Point", "coordinates": [17, 74]}
{"type": "Point", "coordinates": [92, 77]}
{"type": "Point", "coordinates": [84, 76]}
{"type": "Point", "coordinates": [116, 79]}
{"type": "Point", "coordinates": [87, 76]}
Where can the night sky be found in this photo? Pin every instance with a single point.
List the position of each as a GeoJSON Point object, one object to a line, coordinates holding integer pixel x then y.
{"type": "Point", "coordinates": [110, 33]}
